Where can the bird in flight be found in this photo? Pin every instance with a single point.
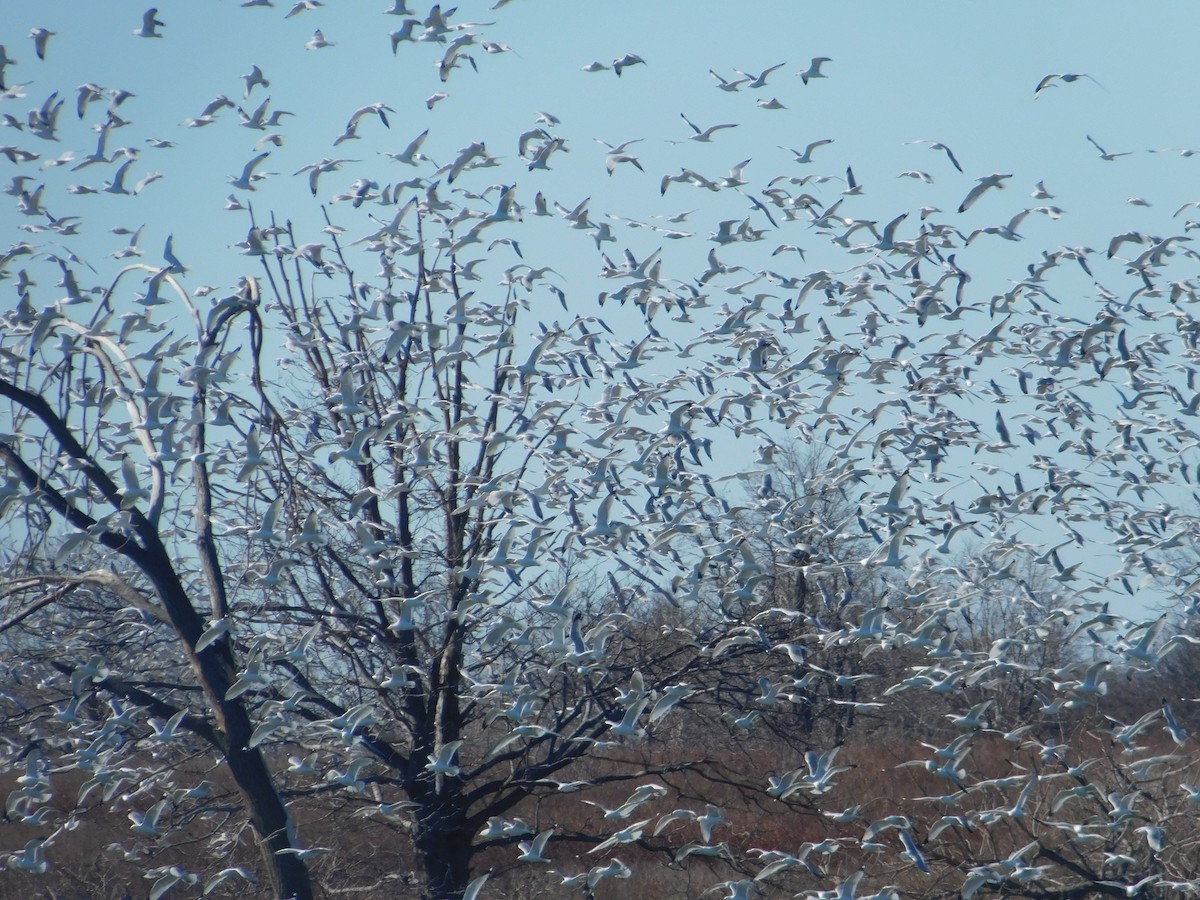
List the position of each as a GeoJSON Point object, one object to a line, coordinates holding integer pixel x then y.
{"type": "Point", "coordinates": [318, 41]}
{"type": "Point", "coordinates": [1065, 77]}
{"type": "Point", "coordinates": [806, 156]}
{"type": "Point", "coordinates": [938, 145]}
{"type": "Point", "coordinates": [1104, 154]}
{"type": "Point", "coordinates": [725, 84]}
{"type": "Point", "coordinates": [40, 37]}
{"type": "Point", "coordinates": [986, 182]}
{"type": "Point", "coordinates": [315, 170]}
{"type": "Point", "coordinates": [623, 62]}
{"type": "Point", "coordinates": [303, 6]}
{"type": "Point", "coordinates": [150, 24]}
{"type": "Point", "coordinates": [245, 180]}
{"type": "Point", "coordinates": [814, 69]}
{"type": "Point", "coordinates": [759, 80]}
{"type": "Point", "coordinates": [412, 153]}
{"type": "Point", "coordinates": [252, 78]}
{"type": "Point", "coordinates": [704, 134]}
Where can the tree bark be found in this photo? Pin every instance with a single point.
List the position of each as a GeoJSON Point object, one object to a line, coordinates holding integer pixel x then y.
{"type": "Point", "coordinates": [214, 668]}
{"type": "Point", "coordinates": [445, 848]}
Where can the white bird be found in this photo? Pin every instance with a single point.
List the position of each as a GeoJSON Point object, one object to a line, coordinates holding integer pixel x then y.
{"type": "Point", "coordinates": [94, 670]}
{"type": "Point", "coordinates": [213, 634]}
{"type": "Point", "coordinates": [315, 170]}
{"type": "Point", "coordinates": [5, 61]}
{"type": "Point", "coordinates": [441, 763]}
{"type": "Point", "coordinates": [249, 679]}
{"type": "Point", "coordinates": [534, 851]}
{"type": "Point", "coordinates": [1155, 838]}
{"type": "Point", "coordinates": [814, 69]}
{"type": "Point", "coordinates": [173, 263]}
{"type": "Point", "coordinates": [499, 827]}
{"type": "Point", "coordinates": [299, 653]}
{"type": "Point", "coordinates": [912, 852]}
{"type": "Point", "coordinates": [245, 181]}
{"type": "Point", "coordinates": [1104, 154]}
{"type": "Point", "coordinates": [1172, 727]}
{"type": "Point", "coordinates": [352, 777]}
{"type": "Point", "coordinates": [743, 888]}
{"type": "Point", "coordinates": [627, 835]}
{"type": "Point", "coordinates": [411, 154]}
{"type": "Point", "coordinates": [806, 156]}
{"type": "Point", "coordinates": [821, 769]}
{"type": "Point", "coordinates": [671, 697]}
{"type": "Point", "coordinates": [225, 874]}
{"type": "Point", "coordinates": [318, 41]}
{"type": "Point", "coordinates": [613, 869]}
{"type": "Point", "coordinates": [625, 61]}
{"type": "Point", "coordinates": [1132, 890]}
{"type": "Point", "coordinates": [1124, 734]}
{"type": "Point", "coordinates": [986, 182]}
{"type": "Point", "coordinates": [725, 84]}
{"type": "Point", "coordinates": [1066, 77]}
{"type": "Point", "coordinates": [305, 766]}
{"type": "Point", "coordinates": [704, 134]}
{"type": "Point", "coordinates": [117, 185]}
{"type": "Point", "coordinates": [977, 878]}
{"type": "Point", "coordinates": [304, 853]}
{"type": "Point", "coordinates": [845, 816]}
{"type": "Point", "coordinates": [1122, 805]}
{"type": "Point", "coordinates": [711, 818]}
{"type": "Point", "coordinates": [403, 34]}
{"type": "Point", "coordinates": [150, 24]}
{"type": "Point", "coordinates": [973, 718]}
{"type": "Point", "coordinates": [938, 145]}
{"type": "Point", "coordinates": [267, 531]}
{"type": "Point", "coordinates": [852, 187]}
{"type": "Point", "coordinates": [726, 232]}
{"type": "Point", "coordinates": [640, 795]}
{"type": "Point", "coordinates": [759, 80]}
{"type": "Point", "coordinates": [252, 78]}
{"type": "Point", "coordinates": [846, 889]}
{"type": "Point", "coordinates": [879, 826]}
{"type": "Point", "coordinates": [311, 534]}
{"type": "Point", "coordinates": [1140, 652]}
{"type": "Point", "coordinates": [30, 860]}
{"type": "Point", "coordinates": [148, 823]}
{"type": "Point", "coordinates": [473, 889]}
{"type": "Point", "coordinates": [566, 787]}
{"type": "Point", "coordinates": [628, 726]}
{"type": "Point", "coordinates": [40, 37]}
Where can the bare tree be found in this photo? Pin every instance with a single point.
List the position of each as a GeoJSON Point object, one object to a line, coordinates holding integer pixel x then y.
{"type": "Point", "coordinates": [382, 562]}
{"type": "Point", "coordinates": [72, 479]}
{"type": "Point", "coordinates": [455, 516]}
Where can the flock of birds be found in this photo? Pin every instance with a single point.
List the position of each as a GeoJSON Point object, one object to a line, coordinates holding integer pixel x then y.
{"type": "Point", "coordinates": [1005, 423]}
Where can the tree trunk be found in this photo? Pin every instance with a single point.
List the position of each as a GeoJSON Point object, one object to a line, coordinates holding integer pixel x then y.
{"type": "Point", "coordinates": [216, 671]}
{"type": "Point", "coordinates": [445, 852]}
{"type": "Point", "coordinates": [287, 873]}
{"type": "Point", "coordinates": [268, 813]}
{"type": "Point", "coordinates": [214, 667]}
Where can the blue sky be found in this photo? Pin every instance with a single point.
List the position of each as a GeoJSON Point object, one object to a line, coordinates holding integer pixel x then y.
{"type": "Point", "coordinates": [964, 77]}
{"type": "Point", "coordinates": [962, 74]}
